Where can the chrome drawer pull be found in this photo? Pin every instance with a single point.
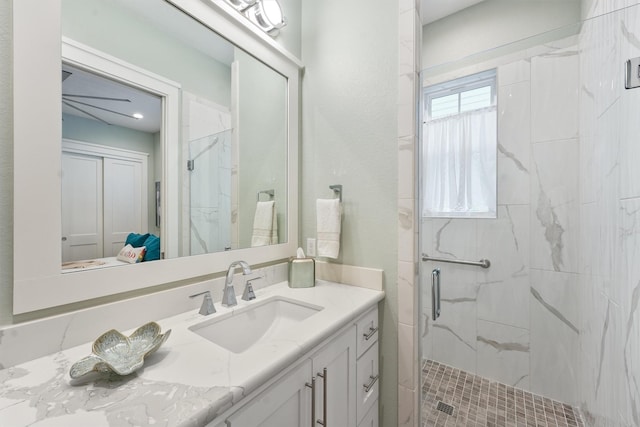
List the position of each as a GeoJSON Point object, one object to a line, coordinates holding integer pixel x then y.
{"type": "Point", "coordinates": [324, 377]}
{"type": "Point", "coordinates": [368, 387]}
{"type": "Point", "coordinates": [372, 331]}
{"type": "Point", "coordinates": [312, 386]}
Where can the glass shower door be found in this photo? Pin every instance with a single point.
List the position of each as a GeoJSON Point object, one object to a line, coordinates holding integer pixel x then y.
{"type": "Point", "coordinates": [209, 191]}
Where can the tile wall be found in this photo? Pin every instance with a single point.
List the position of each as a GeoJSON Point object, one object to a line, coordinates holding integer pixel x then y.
{"type": "Point", "coordinates": [556, 313]}
{"type": "Point", "coordinates": [516, 322]}
{"type": "Point", "coordinates": [410, 34]}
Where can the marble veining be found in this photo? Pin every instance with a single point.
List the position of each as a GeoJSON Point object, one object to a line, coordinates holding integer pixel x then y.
{"type": "Point", "coordinates": [504, 346]}
{"type": "Point", "coordinates": [439, 239]}
{"type": "Point", "coordinates": [512, 157]}
{"type": "Point", "coordinates": [459, 300]}
{"type": "Point", "coordinates": [633, 388]}
{"type": "Point", "coordinates": [603, 341]}
{"type": "Point", "coordinates": [123, 400]}
{"type": "Point", "coordinates": [452, 332]}
{"type": "Point", "coordinates": [548, 218]}
{"type": "Point", "coordinates": [553, 310]}
{"type": "Point", "coordinates": [631, 38]}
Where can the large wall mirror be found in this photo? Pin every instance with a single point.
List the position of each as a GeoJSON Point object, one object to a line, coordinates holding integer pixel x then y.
{"type": "Point", "coordinates": [155, 131]}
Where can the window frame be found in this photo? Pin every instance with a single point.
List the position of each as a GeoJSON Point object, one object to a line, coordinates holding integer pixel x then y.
{"type": "Point", "coordinates": [459, 86]}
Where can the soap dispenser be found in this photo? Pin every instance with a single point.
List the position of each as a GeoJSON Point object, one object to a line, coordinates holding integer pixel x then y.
{"type": "Point", "coordinates": [302, 271]}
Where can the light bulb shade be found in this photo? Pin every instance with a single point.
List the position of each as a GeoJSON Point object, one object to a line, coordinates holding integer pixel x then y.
{"type": "Point", "coordinates": [267, 14]}
{"type": "Point", "coordinates": [242, 5]}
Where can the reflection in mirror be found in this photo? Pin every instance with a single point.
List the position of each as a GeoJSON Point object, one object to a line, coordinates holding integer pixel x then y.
{"type": "Point", "coordinates": [232, 145]}
{"type": "Point", "coordinates": [111, 138]}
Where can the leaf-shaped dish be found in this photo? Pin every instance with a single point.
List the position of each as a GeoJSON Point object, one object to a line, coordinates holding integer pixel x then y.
{"type": "Point", "coordinates": [115, 352]}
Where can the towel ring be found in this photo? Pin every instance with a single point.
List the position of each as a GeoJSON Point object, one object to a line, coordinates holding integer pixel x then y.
{"type": "Point", "coordinates": [270, 193]}
{"type": "Point", "coordinates": [337, 188]}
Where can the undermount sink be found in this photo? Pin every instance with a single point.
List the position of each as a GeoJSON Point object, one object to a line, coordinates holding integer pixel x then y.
{"type": "Point", "coordinates": [261, 321]}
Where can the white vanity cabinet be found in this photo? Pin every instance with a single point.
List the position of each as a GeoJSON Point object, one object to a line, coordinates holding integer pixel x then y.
{"type": "Point", "coordinates": [367, 388]}
{"type": "Point", "coordinates": [285, 403]}
{"type": "Point", "coordinates": [329, 379]}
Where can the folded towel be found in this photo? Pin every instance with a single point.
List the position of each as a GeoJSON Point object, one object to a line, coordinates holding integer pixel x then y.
{"type": "Point", "coordinates": [265, 224]}
{"type": "Point", "coordinates": [329, 215]}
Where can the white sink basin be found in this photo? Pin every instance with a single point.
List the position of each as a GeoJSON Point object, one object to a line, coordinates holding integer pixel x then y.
{"type": "Point", "coordinates": [261, 321]}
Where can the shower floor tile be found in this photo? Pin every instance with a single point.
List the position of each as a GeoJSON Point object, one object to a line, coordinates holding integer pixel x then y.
{"type": "Point", "coordinates": [476, 401]}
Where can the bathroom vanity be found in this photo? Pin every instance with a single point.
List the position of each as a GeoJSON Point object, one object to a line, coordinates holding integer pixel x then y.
{"type": "Point", "coordinates": [291, 357]}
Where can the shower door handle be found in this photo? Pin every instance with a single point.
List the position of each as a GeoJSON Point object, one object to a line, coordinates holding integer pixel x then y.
{"type": "Point", "coordinates": [435, 293]}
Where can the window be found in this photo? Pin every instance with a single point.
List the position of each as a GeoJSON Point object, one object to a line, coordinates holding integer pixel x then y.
{"type": "Point", "coordinates": [460, 148]}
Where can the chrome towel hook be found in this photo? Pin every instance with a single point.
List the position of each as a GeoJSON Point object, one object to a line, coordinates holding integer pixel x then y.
{"type": "Point", "coordinates": [337, 188]}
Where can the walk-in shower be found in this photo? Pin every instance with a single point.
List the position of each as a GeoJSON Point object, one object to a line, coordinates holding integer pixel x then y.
{"type": "Point", "coordinates": [549, 332]}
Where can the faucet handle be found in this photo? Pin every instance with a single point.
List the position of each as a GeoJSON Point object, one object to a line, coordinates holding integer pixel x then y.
{"type": "Point", "coordinates": [207, 306]}
{"type": "Point", "coordinates": [248, 293]}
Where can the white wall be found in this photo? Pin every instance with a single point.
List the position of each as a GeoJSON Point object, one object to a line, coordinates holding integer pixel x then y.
{"type": "Point", "coordinates": [490, 24]}
{"type": "Point", "coordinates": [349, 137]}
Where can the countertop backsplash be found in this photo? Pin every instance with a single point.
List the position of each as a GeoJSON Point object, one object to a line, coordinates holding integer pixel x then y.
{"type": "Point", "coordinates": [30, 340]}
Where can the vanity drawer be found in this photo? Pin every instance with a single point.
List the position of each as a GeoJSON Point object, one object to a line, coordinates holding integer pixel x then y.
{"type": "Point", "coordinates": [367, 384]}
{"type": "Point", "coordinates": [367, 329]}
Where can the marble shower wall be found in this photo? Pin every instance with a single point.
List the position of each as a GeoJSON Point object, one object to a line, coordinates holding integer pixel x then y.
{"type": "Point", "coordinates": [517, 322]}
{"type": "Point", "coordinates": [557, 313]}
{"type": "Point", "coordinates": [609, 275]}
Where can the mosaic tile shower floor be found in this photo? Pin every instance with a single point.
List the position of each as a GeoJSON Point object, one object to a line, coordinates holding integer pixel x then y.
{"type": "Point", "coordinates": [477, 401]}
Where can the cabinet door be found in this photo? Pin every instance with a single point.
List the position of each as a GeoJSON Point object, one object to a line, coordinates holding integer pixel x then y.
{"type": "Point", "coordinates": [335, 370]}
{"type": "Point", "coordinates": [286, 403]}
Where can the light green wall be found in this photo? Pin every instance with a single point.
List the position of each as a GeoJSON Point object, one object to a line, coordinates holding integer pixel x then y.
{"type": "Point", "coordinates": [494, 23]}
{"type": "Point", "coordinates": [111, 28]}
{"type": "Point", "coordinates": [262, 104]}
{"type": "Point", "coordinates": [289, 35]}
{"type": "Point", "coordinates": [349, 137]}
{"type": "Point", "coordinates": [92, 131]}
{"type": "Point", "coordinates": [6, 164]}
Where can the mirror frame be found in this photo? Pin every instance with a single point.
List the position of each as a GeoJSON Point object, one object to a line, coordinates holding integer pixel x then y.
{"type": "Point", "coordinates": [38, 281]}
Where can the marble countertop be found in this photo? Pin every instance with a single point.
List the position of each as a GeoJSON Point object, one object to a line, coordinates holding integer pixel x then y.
{"type": "Point", "coordinates": [189, 381]}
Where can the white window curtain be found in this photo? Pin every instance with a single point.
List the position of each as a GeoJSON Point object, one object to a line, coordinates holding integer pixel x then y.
{"type": "Point", "coordinates": [459, 165]}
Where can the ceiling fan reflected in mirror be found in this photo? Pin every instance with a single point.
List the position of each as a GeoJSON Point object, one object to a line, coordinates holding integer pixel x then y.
{"type": "Point", "coordinates": [88, 95]}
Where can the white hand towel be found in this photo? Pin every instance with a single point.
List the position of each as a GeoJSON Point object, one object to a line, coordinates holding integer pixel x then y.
{"type": "Point", "coordinates": [265, 226]}
{"type": "Point", "coordinates": [329, 216]}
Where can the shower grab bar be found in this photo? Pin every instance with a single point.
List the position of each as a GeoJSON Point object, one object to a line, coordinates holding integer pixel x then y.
{"type": "Point", "coordinates": [270, 193]}
{"type": "Point", "coordinates": [484, 263]}
{"type": "Point", "coordinates": [435, 293]}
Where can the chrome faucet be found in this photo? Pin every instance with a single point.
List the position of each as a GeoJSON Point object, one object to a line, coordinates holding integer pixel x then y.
{"type": "Point", "coordinates": [229, 295]}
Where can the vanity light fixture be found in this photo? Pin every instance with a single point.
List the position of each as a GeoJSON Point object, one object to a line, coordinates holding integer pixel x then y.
{"type": "Point", "coordinates": [267, 14]}
{"type": "Point", "coordinates": [242, 5]}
